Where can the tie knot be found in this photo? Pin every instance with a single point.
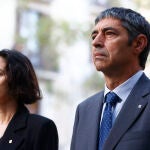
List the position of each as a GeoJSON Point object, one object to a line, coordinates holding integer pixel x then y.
{"type": "Point", "coordinates": [112, 98]}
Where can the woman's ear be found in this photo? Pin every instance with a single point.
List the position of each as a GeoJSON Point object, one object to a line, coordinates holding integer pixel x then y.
{"type": "Point", "coordinates": [139, 43]}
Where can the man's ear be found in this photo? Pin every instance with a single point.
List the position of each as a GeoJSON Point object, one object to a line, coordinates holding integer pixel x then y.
{"type": "Point", "coordinates": [139, 43]}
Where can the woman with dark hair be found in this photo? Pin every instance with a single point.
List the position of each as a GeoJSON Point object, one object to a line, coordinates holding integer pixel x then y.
{"type": "Point", "coordinates": [20, 130]}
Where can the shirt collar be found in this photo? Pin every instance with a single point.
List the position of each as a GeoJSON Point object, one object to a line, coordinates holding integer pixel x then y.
{"type": "Point", "coordinates": [124, 89]}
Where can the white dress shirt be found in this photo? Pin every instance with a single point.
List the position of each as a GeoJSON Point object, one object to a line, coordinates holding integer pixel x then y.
{"type": "Point", "coordinates": [123, 91]}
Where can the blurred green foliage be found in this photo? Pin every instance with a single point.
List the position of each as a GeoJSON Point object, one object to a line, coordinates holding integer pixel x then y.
{"type": "Point", "coordinates": [95, 82]}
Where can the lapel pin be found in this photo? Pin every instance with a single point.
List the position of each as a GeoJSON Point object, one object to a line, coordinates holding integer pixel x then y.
{"type": "Point", "coordinates": [139, 106]}
{"type": "Point", "coordinates": [10, 141]}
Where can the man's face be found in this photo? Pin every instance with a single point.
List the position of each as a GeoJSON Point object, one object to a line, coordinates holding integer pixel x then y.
{"type": "Point", "coordinates": [110, 49]}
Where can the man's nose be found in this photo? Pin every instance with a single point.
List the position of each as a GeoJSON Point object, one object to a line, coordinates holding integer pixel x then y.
{"type": "Point", "coordinates": [98, 41]}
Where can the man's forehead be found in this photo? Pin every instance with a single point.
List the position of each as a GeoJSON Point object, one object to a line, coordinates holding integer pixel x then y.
{"type": "Point", "coordinates": [108, 22]}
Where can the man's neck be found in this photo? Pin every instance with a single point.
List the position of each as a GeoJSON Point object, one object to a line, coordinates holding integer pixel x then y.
{"type": "Point", "coordinates": [113, 81]}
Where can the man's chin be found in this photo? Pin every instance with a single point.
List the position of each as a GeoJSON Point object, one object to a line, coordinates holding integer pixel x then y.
{"type": "Point", "coordinates": [100, 68]}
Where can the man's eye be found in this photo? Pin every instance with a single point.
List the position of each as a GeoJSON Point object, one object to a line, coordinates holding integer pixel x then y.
{"type": "Point", "coordinates": [93, 37]}
{"type": "Point", "coordinates": [109, 33]}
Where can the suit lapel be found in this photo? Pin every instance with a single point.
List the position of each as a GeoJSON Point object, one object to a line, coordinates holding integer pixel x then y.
{"type": "Point", "coordinates": [12, 143]}
{"type": "Point", "coordinates": [133, 107]}
{"type": "Point", "coordinates": [94, 111]}
{"type": "Point", "coordinates": [12, 140]}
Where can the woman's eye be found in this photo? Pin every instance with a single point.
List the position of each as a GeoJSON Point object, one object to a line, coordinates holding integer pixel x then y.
{"type": "Point", "coordinates": [2, 73]}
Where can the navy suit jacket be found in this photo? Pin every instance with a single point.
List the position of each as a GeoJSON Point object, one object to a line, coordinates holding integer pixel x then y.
{"type": "Point", "coordinates": [131, 130]}
{"type": "Point", "coordinates": [29, 132]}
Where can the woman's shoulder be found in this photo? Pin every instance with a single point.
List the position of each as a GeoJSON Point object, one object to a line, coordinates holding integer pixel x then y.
{"type": "Point", "coordinates": [32, 119]}
{"type": "Point", "coordinates": [39, 120]}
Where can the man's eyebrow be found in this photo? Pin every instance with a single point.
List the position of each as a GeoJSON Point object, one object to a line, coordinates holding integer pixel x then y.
{"type": "Point", "coordinates": [108, 28]}
{"type": "Point", "coordinates": [95, 31]}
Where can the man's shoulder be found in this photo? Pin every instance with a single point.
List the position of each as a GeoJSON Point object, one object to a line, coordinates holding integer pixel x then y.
{"type": "Point", "coordinates": [143, 82]}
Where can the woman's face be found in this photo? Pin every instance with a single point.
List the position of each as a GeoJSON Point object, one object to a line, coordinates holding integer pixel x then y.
{"type": "Point", "coordinates": [4, 94]}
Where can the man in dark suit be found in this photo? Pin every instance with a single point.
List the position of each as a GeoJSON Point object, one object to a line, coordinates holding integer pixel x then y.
{"type": "Point", "coordinates": [117, 118]}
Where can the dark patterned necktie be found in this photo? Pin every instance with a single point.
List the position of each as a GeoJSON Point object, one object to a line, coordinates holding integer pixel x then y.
{"type": "Point", "coordinates": [106, 124]}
